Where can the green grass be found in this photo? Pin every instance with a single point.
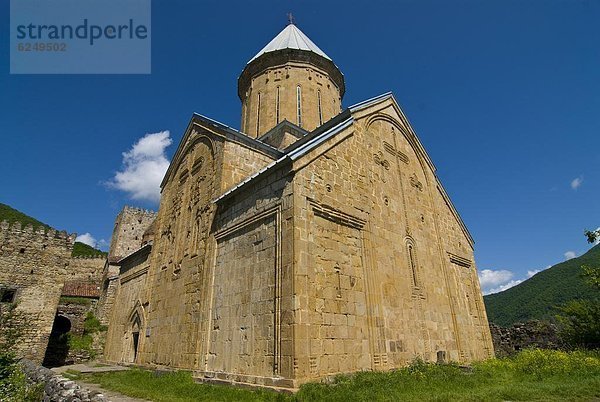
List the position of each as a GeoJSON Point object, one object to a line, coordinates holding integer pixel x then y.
{"type": "Point", "coordinates": [83, 301]}
{"type": "Point", "coordinates": [176, 387]}
{"type": "Point", "coordinates": [538, 296]}
{"type": "Point", "coordinates": [532, 375]}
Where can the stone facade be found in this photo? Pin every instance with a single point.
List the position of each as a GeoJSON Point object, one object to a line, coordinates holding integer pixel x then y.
{"type": "Point", "coordinates": [307, 254]}
{"type": "Point", "coordinates": [272, 97]}
{"type": "Point", "coordinates": [130, 226]}
{"type": "Point", "coordinates": [35, 264]}
{"type": "Point", "coordinates": [134, 227]}
{"type": "Point", "coordinates": [126, 323]}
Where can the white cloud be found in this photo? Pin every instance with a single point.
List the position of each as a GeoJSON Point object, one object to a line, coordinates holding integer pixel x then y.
{"type": "Point", "coordinates": [576, 182]}
{"type": "Point", "coordinates": [491, 280]}
{"type": "Point", "coordinates": [570, 254]}
{"type": "Point", "coordinates": [503, 287]}
{"type": "Point", "coordinates": [102, 245]}
{"type": "Point", "coordinates": [87, 238]}
{"type": "Point", "coordinates": [497, 281]}
{"type": "Point", "coordinates": [144, 167]}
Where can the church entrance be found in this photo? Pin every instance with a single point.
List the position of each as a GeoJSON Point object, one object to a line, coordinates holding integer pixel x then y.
{"type": "Point", "coordinates": [135, 339]}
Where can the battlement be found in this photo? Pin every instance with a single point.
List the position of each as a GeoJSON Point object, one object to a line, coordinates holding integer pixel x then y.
{"type": "Point", "coordinates": [90, 257]}
{"type": "Point", "coordinates": [17, 230]}
{"type": "Point", "coordinates": [127, 209]}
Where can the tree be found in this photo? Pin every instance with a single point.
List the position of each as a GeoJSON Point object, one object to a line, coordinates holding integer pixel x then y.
{"type": "Point", "coordinates": [592, 235]}
{"type": "Point", "coordinates": [580, 319]}
{"type": "Point", "coordinates": [592, 274]}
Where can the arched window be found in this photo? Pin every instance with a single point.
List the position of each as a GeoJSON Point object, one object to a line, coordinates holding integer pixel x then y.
{"type": "Point", "coordinates": [258, 114]}
{"type": "Point", "coordinates": [320, 109]}
{"type": "Point", "coordinates": [277, 107]}
{"type": "Point", "coordinates": [299, 105]}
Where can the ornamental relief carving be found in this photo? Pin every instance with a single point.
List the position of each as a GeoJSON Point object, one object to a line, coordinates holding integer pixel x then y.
{"type": "Point", "coordinates": [378, 158]}
{"type": "Point", "coordinates": [414, 181]}
{"type": "Point", "coordinates": [384, 163]}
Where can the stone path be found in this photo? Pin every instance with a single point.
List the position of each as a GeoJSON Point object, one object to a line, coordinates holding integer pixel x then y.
{"type": "Point", "coordinates": [110, 395]}
{"type": "Point", "coordinates": [93, 367]}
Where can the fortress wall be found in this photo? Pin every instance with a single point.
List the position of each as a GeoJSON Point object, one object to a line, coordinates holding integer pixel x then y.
{"type": "Point", "coordinates": [34, 264]}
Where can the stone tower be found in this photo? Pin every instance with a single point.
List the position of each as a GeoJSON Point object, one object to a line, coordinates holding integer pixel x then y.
{"type": "Point", "coordinates": [130, 225]}
{"type": "Point", "coordinates": [289, 79]}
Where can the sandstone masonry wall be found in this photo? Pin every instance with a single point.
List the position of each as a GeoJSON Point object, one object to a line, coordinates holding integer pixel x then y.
{"type": "Point", "coordinates": [317, 93]}
{"type": "Point", "coordinates": [130, 225]}
{"type": "Point", "coordinates": [35, 263]}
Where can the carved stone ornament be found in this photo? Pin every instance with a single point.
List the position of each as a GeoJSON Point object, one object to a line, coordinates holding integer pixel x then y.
{"type": "Point", "coordinates": [378, 158]}
{"type": "Point", "coordinates": [416, 183]}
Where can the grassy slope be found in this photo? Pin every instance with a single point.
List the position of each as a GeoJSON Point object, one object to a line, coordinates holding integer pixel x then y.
{"type": "Point", "coordinates": [12, 215]}
{"type": "Point", "coordinates": [82, 249]}
{"type": "Point", "coordinates": [536, 297]}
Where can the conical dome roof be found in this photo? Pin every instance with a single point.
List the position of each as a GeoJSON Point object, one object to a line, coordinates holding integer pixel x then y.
{"type": "Point", "coordinates": [291, 38]}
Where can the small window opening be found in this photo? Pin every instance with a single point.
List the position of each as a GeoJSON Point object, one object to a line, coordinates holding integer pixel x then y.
{"type": "Point", "coordinates": [277, 107]}
{"type": "Point", "coordinates": [299, 105]}
{"type": "Point", "coordinates": [320, 110]}
{"type": "Point", "coordinates": [258, 114]}
{"type": "Point", "coordinates": [7, 295]}
{"type": "Point", "coordinates": [413, 265]}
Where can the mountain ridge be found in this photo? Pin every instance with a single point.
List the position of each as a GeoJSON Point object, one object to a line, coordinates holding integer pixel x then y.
{"type": "Point", "coordinates": [538, 296]}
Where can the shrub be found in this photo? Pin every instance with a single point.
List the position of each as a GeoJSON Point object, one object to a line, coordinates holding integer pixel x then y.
{"type": "Point", "coordinates": [92, 324]}
{"type": "Point", "coordinates": [580, 323]}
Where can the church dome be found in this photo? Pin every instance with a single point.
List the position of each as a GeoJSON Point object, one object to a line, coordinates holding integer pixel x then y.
{"type": "Point", "coordinates": [291, 79]}
{"type": "Point", "coordinates": [291, 38]}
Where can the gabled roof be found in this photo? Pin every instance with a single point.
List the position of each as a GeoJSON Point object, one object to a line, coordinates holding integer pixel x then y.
{"type": "Point", "coordinates": [291, 38]}
{"type": "Point", "coordinates": [329, 130]}
{"type": "Point", "coordinates": [207, 122]}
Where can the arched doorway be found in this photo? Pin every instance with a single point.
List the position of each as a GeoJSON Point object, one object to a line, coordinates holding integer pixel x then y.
{"type": "Point", "coordinates": [58, 343]}
{"type": "Point", "coordinates": [133, 339]}
{"type": "Point", "coordinates": [135, 336]}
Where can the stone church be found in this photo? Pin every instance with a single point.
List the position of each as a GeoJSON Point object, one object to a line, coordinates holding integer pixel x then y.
{"type": "Point", "coordinates": [315, 240]}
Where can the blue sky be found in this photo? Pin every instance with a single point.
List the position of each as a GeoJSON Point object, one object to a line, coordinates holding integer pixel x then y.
{"type": "Point", "coordinates": [505, 96]}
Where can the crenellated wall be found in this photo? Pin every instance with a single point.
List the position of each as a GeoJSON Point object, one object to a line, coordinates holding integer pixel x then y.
{"type": "Point", "coordinates": [35, 264]}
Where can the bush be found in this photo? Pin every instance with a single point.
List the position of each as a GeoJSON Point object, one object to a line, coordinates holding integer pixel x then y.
{"type": "Point", "coordinates": [545, 363]}
{"type": "Point", "coordinates": [580, 323]}
{"type": "Point", "coordinates": [85, 341]}
{"type": "Point", "coordinates": [92, 324]}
